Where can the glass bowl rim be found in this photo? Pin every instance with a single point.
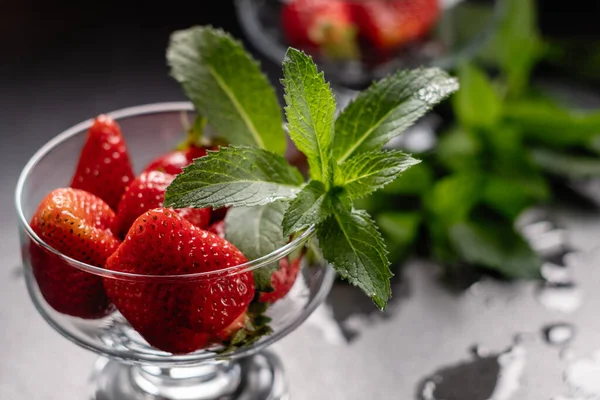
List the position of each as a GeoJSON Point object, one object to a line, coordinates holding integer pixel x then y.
{"type": "Point", "coordinates": [82, 127]}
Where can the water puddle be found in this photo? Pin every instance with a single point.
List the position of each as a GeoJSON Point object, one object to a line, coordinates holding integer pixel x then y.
{"type": "Point", "coordinates": [486, 377]}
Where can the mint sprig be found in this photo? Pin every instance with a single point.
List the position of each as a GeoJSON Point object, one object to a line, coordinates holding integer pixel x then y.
{"type": "Point", "coordinates": [226, 85]}
{"type": "Point", "coordinates": [344, 156]}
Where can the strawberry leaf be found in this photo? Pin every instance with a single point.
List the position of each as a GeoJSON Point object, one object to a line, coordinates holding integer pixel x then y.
{"type": "Point", "coordinates": [366, 172]}
{"type": "Point", "coordinates": [351, 243]}
{"type": "Point", "coordinates": [311, 206]}
{"type": "Point", "coordinates": [226, 85]}
{"type": "Point", "coordinates": [256, 232]}
{"type": "Point", "coordinates": [234, 176]}
{"type": "Point", "coordinates": [310, 112]}
{"type": "Point", "coordinates": [388, 108]}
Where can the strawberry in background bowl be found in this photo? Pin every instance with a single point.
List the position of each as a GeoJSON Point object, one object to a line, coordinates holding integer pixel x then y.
{"type": "Point", "coordinates": [346, 29]}
{"type": "Point", "coordinates": [357, 42]}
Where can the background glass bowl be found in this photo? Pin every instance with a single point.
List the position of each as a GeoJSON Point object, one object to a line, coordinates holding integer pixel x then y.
{"type": "Point", "coordinates": [464, 26]}
{"type": "Point", "coordinates": [149, 131]}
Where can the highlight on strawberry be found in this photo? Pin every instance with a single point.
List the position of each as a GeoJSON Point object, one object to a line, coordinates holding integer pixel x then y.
{"type": "Point", "coordinates": [167, 248]}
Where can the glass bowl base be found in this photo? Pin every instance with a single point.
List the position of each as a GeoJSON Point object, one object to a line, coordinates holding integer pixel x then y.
{"type": "Point", "coordinates": [257, 377]}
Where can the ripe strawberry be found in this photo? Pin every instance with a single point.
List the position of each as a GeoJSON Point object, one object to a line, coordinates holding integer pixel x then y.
{"type": "Point", "coordinates": [104, 168]}
{"type": "Point", "coordinates": [320, 26]}
{"type": "Point", "coordinates": [147, 191]}
{"type": "Point", "coordinates": [282, 280]}
{"type": "Point", "coordinates": [174, 161]}
{"type": "Point", "coordinates": [388, 25]}
{"type": "Point", "coordinates": [160, 242]}
{"type": "Point", "coordinates": [230, 330]}
{"type": "Point", "coordinates": [77, 224]}
{"type": "Point", "coordinates": [218, 228]}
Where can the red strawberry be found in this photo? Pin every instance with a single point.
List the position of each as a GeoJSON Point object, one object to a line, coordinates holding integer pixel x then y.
{"type": "Point", "coordinates": [230, 330]}
{"type": "Point", "coordinates": [174, 161]}
{"type": "Point", "coordinates": [218, 228]}
{"type": "Point", "coordinates": [388, 25]}
{"type": "Point", "coordinates": [176, 339]}
{"type": "Point", "coordinates": [321, 26]}
{"type": "Point", "coordinates": [78, 225]}
{"type": "Point", "coordinates": [282, 280]}
{"type": "Point", "coordinates": [104, 167]}
{"type": "Point", "coordinates": [160, 242]}
{"type": "Point", "coordinates": [147, 191]}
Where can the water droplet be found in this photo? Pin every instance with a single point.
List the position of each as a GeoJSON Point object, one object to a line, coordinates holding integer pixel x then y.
{"type": "Point", "coordinates": [563, 297]}
{"type": "Point", "coordinates": [434, 92]}
{"type": "Point", "coordinates": [479, 351]}
{"type": "Point", "coordinates": [555, 273]}
{"type": "Point", "coordinates": [558, 334]}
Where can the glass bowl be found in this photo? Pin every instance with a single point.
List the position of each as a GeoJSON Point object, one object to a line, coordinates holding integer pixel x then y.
{"type": "Point", "coordinates": [462, 28]}
{"type": "Point", "coordinates": [130, 368]}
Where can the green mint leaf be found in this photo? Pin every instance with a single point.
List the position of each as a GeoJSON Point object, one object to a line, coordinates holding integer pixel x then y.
{"type": "Point", "coordinates": [476, 103]}
{"type": "Point", "coordinates": [226, 85]}
{"type": "Point", "coordinates": [399, 229]}
{"type": "Point", "coordinates": [459, 149]}
{"type": "Point", "coordinates": [311, 206]}
{"type": "Point", "coordinates": [310, 110]}
{"type": "Point", "coordinates": [566, 165]}
{"type": "Point", "coordinates": [388, 108]}
{"type": "Point", "coordinates": [366, 172]}
{"type": "Point", "coordinates": [351, 243]}
{"type": "Point", "coordinates": [234, 176]}
{"type": "Point", "coordinates": [499, 193]}
{"type": "Point", "coordinates": [497, 247]}
{"type": "Point", "coordinates": [552, 125]}
{"type": "Point", "coordinates": [452, 198]}
{"type": "Point", "coordinates": [398, 226]}
{"type": "Point", "coordinates": [517, 43]}
{"type": "Point", "coordinates": [256, 232]}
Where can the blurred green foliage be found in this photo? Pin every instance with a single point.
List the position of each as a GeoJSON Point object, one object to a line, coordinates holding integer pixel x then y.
{"type": "Point", "coordinates": [508, 141]}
